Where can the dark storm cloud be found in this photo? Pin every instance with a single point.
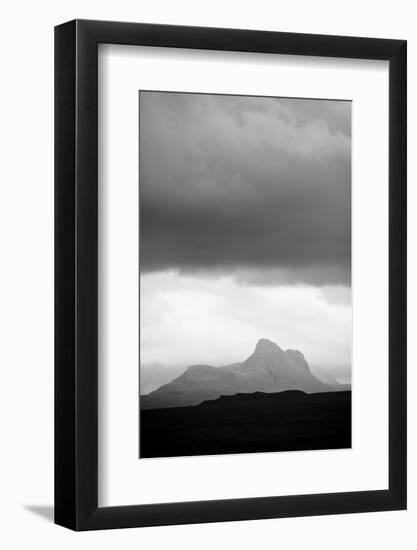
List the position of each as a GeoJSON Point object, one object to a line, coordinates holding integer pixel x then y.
{"type": "Point", "coordinates": [255, 186]}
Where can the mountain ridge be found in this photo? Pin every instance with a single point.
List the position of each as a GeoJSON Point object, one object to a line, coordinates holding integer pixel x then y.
{"type": "Point", "coordinates": [268, 369]}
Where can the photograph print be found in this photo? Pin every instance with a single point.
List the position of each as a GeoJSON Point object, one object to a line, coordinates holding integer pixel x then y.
{"type": "Point", "coordinates": [245, 274]}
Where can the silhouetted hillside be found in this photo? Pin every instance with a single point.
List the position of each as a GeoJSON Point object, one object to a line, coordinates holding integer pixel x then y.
{"type": "Point", "coordinates": [243, 423]}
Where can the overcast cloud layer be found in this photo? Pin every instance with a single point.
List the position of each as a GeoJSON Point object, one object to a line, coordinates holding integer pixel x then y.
{"type": "Point", "coordinates": [255, 187]}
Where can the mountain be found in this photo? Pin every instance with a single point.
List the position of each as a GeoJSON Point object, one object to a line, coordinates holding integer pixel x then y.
{"type": "Point", "coordinates": [155, 375]}
{"type": "Point", "coordinates": [269, 369]}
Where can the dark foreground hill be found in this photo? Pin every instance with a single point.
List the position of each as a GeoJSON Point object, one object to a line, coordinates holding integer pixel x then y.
{"type": "Point", "coordinates": [247, 423]}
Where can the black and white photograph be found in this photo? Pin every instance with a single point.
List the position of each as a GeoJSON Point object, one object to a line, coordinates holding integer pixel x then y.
{"type": "Point", "coordinates": [209, 266]}
{"type": "Point", "coordinates": [245, 274]}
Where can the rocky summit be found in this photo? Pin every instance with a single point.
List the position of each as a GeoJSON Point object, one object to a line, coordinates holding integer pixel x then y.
{"type": "Point", "coordinates": [268, 369]}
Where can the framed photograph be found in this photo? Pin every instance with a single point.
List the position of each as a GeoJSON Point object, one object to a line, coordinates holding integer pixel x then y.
{"type": "Point", "coordinates": [230, 275]}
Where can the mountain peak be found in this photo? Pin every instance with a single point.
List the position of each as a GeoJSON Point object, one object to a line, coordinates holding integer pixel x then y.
{"type": "Point", "coordinates": [269, 353]}
{"type": "Point", "coordinates": [297, 358]}
{"type": "Point", "coordinates": [269, 369]}
{"type": "Point", "coordinates": [265, 345]}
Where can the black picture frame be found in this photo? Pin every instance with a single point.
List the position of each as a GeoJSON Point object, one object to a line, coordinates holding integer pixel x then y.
{"type": "Point", "coordinates": [76, 272]}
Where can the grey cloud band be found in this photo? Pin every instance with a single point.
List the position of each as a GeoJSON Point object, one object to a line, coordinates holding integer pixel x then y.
{"type": "Point", "coordinates": [258, 187]}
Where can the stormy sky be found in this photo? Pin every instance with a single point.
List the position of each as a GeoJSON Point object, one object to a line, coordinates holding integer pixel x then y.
{"type": "Point", "coordinates": [244, 197]}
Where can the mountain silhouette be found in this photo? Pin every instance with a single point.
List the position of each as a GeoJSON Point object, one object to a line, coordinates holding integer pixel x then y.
{"type": "Point", "coordinates": [269, 369]}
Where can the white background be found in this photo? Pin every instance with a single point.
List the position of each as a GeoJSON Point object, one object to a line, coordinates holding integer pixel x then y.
{"type": "Point", "coordinates": [123, 479]}
{"type": "Point", "coordinates": [26, 300]}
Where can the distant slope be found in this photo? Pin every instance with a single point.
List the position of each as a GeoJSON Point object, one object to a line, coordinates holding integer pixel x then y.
{"type": "Point", "coordinates": [198, 383]}
{"type": "Point", "coordinates": [245, 423]}
{"type": "Point", "coordinates": [327, 377]}
{"type": "Point", "coordinates": [269, 369]}
{"type": "Point", "coordinates": [155, 375]}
